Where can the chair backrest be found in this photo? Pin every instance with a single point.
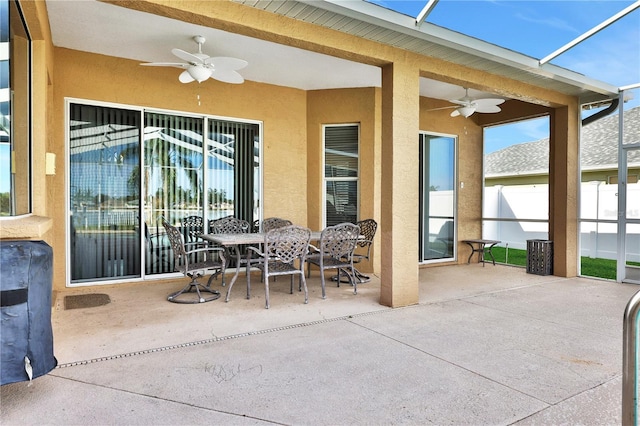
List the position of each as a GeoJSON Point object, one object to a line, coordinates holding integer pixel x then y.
{"type": "Point", "coordinates": [446, 231]}
{"type": "Point", "coordinates": [368, 228]}
{"type": "Point", "coordinates": [287, 243]}
{"type": "Point", "coordinates": [340, 240]}
{"type": "Point", "coordinates": [176, 239]}
{"type": "Point", "coordinates": [192, 226]}
{"type": "Point", "coordinates": [274, 222]}
{"type": "Point", "coordinates": [229, 225]}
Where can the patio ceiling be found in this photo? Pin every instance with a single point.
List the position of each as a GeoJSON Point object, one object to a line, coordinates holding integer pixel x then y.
{"type": "Point", "coordinates": [107, 29]}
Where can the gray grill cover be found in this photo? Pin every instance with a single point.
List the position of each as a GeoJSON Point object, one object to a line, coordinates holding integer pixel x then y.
{"type": "Point", "coordinates": [25, 316]}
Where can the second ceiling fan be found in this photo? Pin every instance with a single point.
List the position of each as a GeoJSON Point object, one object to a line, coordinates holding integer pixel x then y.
{"type": "Point", "coordinates": [468, 105]}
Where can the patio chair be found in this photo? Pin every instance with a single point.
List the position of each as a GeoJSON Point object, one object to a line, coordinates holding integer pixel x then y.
{"type": "Point", "coordinates": [337, 244]}
{"type": "Point", "coordinates": [158, 253]}
{"type": "Point", "coordinates": [368, 228]}
{"type": "Point", "coordinates": [192, 226]}
{"type": "Point", "coordinates": [193, 260]}
{"type": "Point", "coordinates": [445, 236]}
{"type": "Point", "coordinates": [231, 225]}
{"type": "Point", "coordinates": [274, 222]}
{"type": "Point", "coordinates": [282, 249]}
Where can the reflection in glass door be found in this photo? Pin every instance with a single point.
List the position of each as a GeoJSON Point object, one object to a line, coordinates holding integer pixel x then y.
{"type": "Point", "coordinates": [437, 198]}
{"type": "Point", "coordinates": [104, 178]}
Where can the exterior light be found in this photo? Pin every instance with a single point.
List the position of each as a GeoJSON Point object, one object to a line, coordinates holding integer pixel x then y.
{"type": "Point", "coordinates": [466, 111]}
{"type": "Point", "coordinates": [199, 73]}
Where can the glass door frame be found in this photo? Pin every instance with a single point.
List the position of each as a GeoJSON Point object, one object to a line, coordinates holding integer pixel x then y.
{"type": "Point", "coordinates": [257, 177]}
{"type": "Point", "coordinates": [423, 206]}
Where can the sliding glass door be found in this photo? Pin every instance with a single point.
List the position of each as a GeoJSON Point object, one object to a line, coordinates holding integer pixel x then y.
{"type": "Point", "coordinates": [130, 170]}
{"type": "Point", "coordinates": [437, 198]}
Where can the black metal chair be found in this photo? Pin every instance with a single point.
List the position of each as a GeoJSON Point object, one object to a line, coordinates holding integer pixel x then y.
{"type": "Point", "coordinates": [282, 248]}
{"type": "Point", "coordinates": [337, 244]}
{"type": "Point", "coordinates": [193, 260]}
{"type": "Point", "coordinates": [368, 228]}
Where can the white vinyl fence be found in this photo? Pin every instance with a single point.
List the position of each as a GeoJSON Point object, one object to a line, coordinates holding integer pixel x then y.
{"type": "Point", "coordinates": [524, 213]}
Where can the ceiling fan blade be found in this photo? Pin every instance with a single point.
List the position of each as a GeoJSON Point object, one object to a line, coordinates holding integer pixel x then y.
{"type": "Point", "coordinates": [460, 102]}
{"type": "Point", "coordinates": [441, 108]}
{"type": "Point", "coordinates": [166, 64]}
{"type": "Point", "coordinates": [186, 56]}
{"type": "Point", "coordinates": [488, 102]}
{"type": "Point", "coordinates": [488, 108]}
{"type": "Point", "coordinates": [185, 77]}
{"type": "Point", "coordinates": [226, 63]}
{"type": "Point", "coordinates": [227, 76]}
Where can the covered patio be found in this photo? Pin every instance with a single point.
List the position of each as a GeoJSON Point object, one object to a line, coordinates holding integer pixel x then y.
{"type": "Point", "coordinates": [519, 349]}
{"type": "Point", "coordinates": [399, 89]}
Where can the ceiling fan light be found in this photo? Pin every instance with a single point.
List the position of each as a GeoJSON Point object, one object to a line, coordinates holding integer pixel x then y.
{"type": "Point", "coordinates": [466, 111]}
{"type": "Point", "coordinates": [199, 74]}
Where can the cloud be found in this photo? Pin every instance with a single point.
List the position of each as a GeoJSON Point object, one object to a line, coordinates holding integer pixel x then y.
{"type": "Point", "coordinates": [612, 56]}
{"type": "Point", "coordinates": [550, 22]}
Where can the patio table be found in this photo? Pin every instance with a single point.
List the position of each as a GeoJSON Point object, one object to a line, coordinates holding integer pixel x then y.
{"type": "Point", "coordinates": [237, 240]}
{"type": "Point", "coordinates": [483, 246]}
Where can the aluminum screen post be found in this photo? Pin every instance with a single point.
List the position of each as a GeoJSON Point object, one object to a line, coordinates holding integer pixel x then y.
{"type": "Point", "coordinates": [630, 362]}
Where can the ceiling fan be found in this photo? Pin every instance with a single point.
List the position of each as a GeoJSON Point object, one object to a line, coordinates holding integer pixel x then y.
{"type": "Point", "coordinates": [468, 105]}
{"type": "Point", "coordinates": [200, 66]}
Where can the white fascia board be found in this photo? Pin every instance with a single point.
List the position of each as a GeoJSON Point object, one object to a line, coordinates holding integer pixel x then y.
{"type": "Point", "coordinates": [527, 173]}
{"type": "Point", "coordinates": [395, 21]}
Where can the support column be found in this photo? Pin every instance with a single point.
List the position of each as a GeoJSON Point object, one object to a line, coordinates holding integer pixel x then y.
{"type": "Point", "coordinates": [564, 186]}
{"type": "Point", "coordinates": [399, 189]}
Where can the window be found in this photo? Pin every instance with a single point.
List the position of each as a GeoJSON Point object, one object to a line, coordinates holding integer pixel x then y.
{"type": "Point", "coordinates": [341, 173]}
{"type": "Point", "coordinates": [15, 111]}
{"type": "Point", "coordinates": [130, 169]}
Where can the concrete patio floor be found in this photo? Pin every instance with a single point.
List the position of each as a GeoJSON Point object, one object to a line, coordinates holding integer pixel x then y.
{"type": "Point", "coordinates": [485, 346]}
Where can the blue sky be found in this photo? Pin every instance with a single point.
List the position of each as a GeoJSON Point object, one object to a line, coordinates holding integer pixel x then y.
{"type": "Point", "coordinates": [537, 29]}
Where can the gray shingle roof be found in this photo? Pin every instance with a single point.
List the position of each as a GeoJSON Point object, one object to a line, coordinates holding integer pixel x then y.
{"type": "Point", "coordinates": [599, 149]}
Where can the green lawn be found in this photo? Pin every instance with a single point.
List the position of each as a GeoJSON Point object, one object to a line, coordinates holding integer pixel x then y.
{"type": "Point", "coordinates": [600, 268]}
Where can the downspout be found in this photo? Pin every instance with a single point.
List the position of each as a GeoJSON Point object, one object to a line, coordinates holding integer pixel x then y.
{"type": "Point", "coordinates": [598, 115]}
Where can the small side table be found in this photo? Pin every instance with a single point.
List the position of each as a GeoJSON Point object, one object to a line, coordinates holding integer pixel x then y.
{"type": "Point", "coordinates": [481, 247]}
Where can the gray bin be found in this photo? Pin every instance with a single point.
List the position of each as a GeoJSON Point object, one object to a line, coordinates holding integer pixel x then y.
{"type": "Point", "coordinates": [540, 257]}
{"type": "Point", "coordinates": [25, 312]}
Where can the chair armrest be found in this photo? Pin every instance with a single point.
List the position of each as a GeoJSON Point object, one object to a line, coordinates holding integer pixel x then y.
{"type": "Point", "coordinates": [197, 245]}
{"type": "Point", "coordinates": [255, 250]}
{"type": "Point", "coordinates": [205, 250]}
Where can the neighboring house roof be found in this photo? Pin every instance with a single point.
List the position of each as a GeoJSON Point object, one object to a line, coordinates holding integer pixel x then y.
{"type": "Point", "coordinates": [599, 149]}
